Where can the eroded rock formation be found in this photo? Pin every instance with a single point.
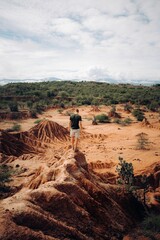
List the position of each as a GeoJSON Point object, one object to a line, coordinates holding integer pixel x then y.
{"type": "Point", "coordinates": [60, 197]}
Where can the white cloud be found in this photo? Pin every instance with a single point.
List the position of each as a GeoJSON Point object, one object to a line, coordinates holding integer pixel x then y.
{"type": "Point", "coordinates": [80, 39]}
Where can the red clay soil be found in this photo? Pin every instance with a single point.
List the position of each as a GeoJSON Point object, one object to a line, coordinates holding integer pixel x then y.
{"type": "Point", "coordinates": [48, 131]}
{"type": "Point", "coordinates": [61, 197]}
{"type": "Point", "coordinates": [67, 201]}
{"type": "Point", "coordinates": [34, 140]}
{"type": "Point", "coordinates": [10, 145]}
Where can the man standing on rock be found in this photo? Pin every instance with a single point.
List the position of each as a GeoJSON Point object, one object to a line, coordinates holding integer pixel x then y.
{"type": "Point", "coordinates": [75, 126]}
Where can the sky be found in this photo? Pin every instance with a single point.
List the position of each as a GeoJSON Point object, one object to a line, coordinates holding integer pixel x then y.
{"type": "Point", "coordinates": [97, 40]}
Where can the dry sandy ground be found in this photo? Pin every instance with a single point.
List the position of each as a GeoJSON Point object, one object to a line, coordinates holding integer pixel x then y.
{"type": "Point", "coordinates": [101, 144]}
{"type": "Point", "coordinates": [108, 142]}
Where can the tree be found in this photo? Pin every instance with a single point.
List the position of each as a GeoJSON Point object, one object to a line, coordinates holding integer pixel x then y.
{"type": "Point", "coordinates": [125, 172]}
{"type": "Point", "coordinates": [142, 141]}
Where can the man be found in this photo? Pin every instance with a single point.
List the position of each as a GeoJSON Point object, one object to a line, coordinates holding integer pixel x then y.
{"type": "Point", "coordinates": [75, 125]}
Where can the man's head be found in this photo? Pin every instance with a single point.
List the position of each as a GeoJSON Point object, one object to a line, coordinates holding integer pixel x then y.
{"type": "Point", "coordinates": [77, 110]}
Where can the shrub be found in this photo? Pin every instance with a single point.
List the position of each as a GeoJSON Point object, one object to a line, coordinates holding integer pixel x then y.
{"type": "Point", "coordinates": [127, 107]}
{"type": "Point", "coordinates": [38, 121]}
{"type": "Point", "coordinates": [138, 114]}
{"type": "Point", "coordinates": [154, 106]}
{"type": "Point", "coordinates": [5, 176]}
{"type": "Point", "coordinates": [102, 118]}
{"type": "Point", "coordinates": [117, 120]}
{"type": "Point", "coordinates": [40, 107]}
{"type": "Point", "coordinates": [125, 171]}
{"type": "Point", "coordinates": [127, 121]}
{"type": "Point", "coordinates": [16, 127]}
{"type": "Point", "coordinates": [142, 141]}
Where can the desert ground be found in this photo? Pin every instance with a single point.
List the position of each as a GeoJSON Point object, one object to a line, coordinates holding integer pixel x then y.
{"type": "Point", "coordinates": [106, 142]}
{"type": "Point", "coordinates": [51, 159]}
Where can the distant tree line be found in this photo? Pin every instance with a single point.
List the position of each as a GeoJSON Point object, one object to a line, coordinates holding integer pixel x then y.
{"type": "Point", "coordinates": [37, 97]}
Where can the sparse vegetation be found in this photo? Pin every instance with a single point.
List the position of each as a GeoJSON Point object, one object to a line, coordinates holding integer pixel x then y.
{"type": "Point", "coordinates": [16, 127]}
{"type": "Point", "coordinates": [138, 113]}
{"type": "Point", "coordinates": [5, 177]}
{"type": "Point", "coordinates": [102, 118]}
{"type": "Point", "coordinates": [128, 107]}
{"type": "Point", "coordinates": [37, 97]}
{"type": "Point", "coordinates": [125, 122]}
{"type": "Point", "coordinates": [38, 121]}
{"type": "Point", "coordinates": [125, 172]}
{"type": "Point", "coordinates": [142, 141]}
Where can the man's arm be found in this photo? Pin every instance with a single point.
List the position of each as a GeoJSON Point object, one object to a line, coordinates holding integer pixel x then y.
{"type": "Point", "coordinates": [80, 124]}
{"type": "Point", "coordinates": [69, 125]}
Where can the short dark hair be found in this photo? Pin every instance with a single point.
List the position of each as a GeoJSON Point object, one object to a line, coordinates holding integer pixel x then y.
{"type": "Point", "coordinates": [77, 110]}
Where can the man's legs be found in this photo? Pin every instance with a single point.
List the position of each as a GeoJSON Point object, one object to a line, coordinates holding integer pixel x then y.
{"type": "Point", "coordinates": [72, 141]}
{"type": "Point", "coordinates": [74, 138]}
{"type": "Point", "coordinates": [76, 143]}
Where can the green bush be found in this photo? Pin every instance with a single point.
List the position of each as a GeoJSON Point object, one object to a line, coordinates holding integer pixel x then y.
{"type": "Point", "coordinates": [5, 176]}
{"type": "Point", "coordinates": [127, 121]}
{"type": "Point", "coordinates": [138, 114]}
{"type": "Point", "coordinates": [38, 121]}
{"type": "Point", "coordinates": [127, 107]}
{"type": "Point", "coordinates": [102, 118]}
{"type": "Point", "coordinates": [117, 120]}
{"type": "Point", "coordinates": [125, 171]}
{"type": "Point", "coordinates": [154, 106]}
{"type": "Point", "coordinates": [16, 127]}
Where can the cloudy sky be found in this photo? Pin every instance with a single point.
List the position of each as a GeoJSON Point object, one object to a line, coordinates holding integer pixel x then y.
{"type": "Point", "coordinates": [81, 39]}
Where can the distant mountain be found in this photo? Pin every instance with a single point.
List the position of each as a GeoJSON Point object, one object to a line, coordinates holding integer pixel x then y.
{"type": "Point", "coordinates": [7, 80]}
{"type": "Point", "coordinates": [106, 80]}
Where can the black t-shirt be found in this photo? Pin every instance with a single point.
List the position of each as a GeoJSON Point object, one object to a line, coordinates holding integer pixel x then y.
{"type": "Point", "coordinates": [75, 119]}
